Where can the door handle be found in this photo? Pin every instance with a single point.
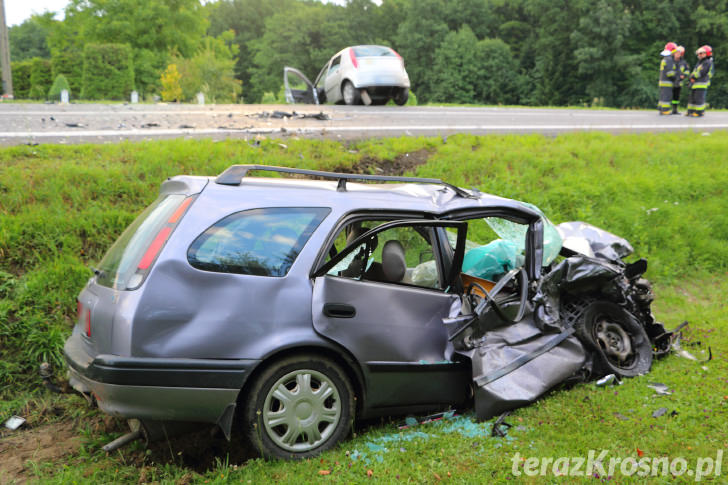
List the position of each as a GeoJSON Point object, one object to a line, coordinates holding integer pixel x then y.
{"type": "Point", "coordinates": [339, 310]}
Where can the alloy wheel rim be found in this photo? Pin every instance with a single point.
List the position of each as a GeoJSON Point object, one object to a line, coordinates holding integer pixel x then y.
{"type": "Point", "coordinates": [301, 410]}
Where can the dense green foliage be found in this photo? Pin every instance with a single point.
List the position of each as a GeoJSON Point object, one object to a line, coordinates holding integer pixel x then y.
{"type": "Point", "coordinates": [28, 40]}
{"type": "Point", "coordinates": [559, 53]}
{"type": "Point", "coordinates": [21, 78]}
{"type": "Point", "coordinates": [40, 78]}
{"type": "Point", "coordinates": [210, 70]}
{"type": "Point", "coordinates": [527, 52]}
{"type": "Point", "coordinates": [108, 71]}
{"type": "Point", "coordinates": [70, 65]}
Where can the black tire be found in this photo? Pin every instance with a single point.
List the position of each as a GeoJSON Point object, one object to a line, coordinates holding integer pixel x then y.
{"type": "Point", "coordinates": [350, 94]}
{"type": "Point", "coordinates": [619, 342]}
{"type": "Point", "coordinates": [401, 97]}
{"type": "Point", "coordinates": [320, 421]}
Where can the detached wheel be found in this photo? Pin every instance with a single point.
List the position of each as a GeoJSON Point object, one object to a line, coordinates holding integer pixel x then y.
{"type": "Point", "coordinates": [620, 343]}
{"type": "Point", "coordinates": [350, 94]}
{"type": "Point", "coordinates": [401, 97]}
{"type": "Point", "coordinates": [299, 407]}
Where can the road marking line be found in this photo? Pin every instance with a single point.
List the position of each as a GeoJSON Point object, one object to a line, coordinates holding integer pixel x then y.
{"type": "Point", "coordinates": [332, 129]}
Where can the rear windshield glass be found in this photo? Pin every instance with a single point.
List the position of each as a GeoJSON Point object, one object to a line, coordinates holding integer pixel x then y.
{"type": "Point", "coordinates": [118, 269]}
{"type": "Point", "coordinates": [263, 242]}
{"type": "Point", "coordinates": [373, 51]}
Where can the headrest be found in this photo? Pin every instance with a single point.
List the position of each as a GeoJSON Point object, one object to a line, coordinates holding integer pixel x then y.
{"type": "Point", "coordinates": [393, 261]}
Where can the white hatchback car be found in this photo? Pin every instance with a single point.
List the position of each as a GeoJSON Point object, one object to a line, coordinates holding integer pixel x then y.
{"type": "Point", "coordinates": [368, 74]}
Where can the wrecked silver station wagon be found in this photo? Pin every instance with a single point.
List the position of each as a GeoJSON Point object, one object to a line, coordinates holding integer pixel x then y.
{"type": "Point", "coordinates": [284, 308]}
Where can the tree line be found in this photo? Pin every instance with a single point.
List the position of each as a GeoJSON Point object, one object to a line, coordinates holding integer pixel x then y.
{"type": "Point", "coordinates": [515, 52]}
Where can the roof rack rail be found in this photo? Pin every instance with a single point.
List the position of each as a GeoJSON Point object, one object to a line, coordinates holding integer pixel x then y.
{"type": "Point", "coordinates": [234, 175]}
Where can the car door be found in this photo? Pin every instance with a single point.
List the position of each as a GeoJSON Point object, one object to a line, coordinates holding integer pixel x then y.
{"type": "Point", "coordinates": [298, 88]}
{"type": "Point", "coordinates": [332, 81]}
{"type": "Point", "coordinates": [390, 316]}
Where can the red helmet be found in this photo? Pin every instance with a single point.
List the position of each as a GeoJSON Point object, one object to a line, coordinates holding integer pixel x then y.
{"type": "Point", "coordinates": [669, 47]}
{"type": "Point", "coordinates": [708, 50]}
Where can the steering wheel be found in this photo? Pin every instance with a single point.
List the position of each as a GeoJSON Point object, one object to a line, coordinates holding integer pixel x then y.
{"type": "Point", "coordinates": [481, 305]}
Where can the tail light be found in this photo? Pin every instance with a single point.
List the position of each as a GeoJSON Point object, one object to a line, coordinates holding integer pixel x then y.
{"type": "Point", "coordinates": [84, 318]}
{"type": "Point", "coordinates": [400, 57]}
{"type": "Point", "coordinates": [354, 62]}
{"type": "Point", "coordinates": [158, 243]}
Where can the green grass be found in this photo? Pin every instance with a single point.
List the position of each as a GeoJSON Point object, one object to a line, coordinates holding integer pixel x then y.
{"type": "Point", "coordinates": [62, 206]}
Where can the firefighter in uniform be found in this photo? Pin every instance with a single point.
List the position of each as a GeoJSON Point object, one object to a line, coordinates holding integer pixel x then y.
{"type": "Point", "coordinates": [683, 71]}
{"type": "Point", "coordinates": [700, 81]}
{"type": "Point", "coordinates": [668, 72]}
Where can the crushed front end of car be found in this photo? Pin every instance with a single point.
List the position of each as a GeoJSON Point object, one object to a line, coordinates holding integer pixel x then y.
{"type": "Point", "coordinates": [588, 316]}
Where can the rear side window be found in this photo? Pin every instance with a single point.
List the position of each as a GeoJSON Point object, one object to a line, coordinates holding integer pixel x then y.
{"type": "Point", "coordinates": [127, 263]}
{"type": "Point", "coordinates": [262, 242]}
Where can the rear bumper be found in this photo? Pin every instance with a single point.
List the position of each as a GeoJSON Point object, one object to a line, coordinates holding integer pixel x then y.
{"type": "Point", "coordinates": [157, 388]}
{"type": "Point", "coordinates": [374, 79]}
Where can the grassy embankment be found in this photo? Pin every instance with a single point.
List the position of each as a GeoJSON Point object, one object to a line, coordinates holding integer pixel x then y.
{"type": "Point", "coordinates": [62, 206]}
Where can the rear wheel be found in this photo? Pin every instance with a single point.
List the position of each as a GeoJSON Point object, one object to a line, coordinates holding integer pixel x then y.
{"type": "Point", "coordinates": [350, 94]}
{"type": "Point", "coordinates": [619, 341]}
{"type": "Point", "coordinates": [299, 407]}
{"type": "Point", "coordinates": [401, 97]}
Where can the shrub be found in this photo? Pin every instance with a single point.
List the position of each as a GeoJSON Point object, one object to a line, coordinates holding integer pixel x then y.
{"type": "Point", "coordinates": [21, 78]}
{"type": "Point", "coordinates": [171, 89]}
{"type": "Point", "coordinates": [67, 63]}
{"type": "Point", "coordinates": [59, 85]}
{"type": "Point", "coordinates": [108, 72]}
{"type": "Point", "coordinates": [40, 78]}
{"type": "Point", "coordinates": [268, 98]}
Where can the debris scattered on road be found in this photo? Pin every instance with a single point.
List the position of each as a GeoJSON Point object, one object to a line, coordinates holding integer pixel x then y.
{"type": "Point", "coordinates": [285, 115]}
{"type": "Point", "coordinates": [186, 127]}
{"type": "Point", "coordinates": [151, 124]}
{"type": "Point", "coordinates": [73, 125]}
{"type": "Point", "coordinates": [14, 422]}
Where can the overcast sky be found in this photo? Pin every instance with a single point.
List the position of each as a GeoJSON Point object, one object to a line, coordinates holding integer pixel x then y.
{"type": "Point", "coordinates": [16, 11]}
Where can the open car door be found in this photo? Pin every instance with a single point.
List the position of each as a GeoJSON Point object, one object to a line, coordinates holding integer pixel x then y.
{"type": "Point", "coordinates": [383, 298]}
{"type": "Point", "coordinates": [298, 88]}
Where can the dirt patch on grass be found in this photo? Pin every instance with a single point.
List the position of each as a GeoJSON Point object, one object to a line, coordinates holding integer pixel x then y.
{"type": "Point", "coordinates": [47, 443]}
{"type": "Point", "coordinates": [406, 162]}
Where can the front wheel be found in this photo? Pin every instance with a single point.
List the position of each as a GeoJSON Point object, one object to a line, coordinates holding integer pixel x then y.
{"type": "Point", "coordinates": [299, 407]}
{"type": "Point", "coordinates": [350, 94]}
{"type": "Point", "coordinates": [620, 343]}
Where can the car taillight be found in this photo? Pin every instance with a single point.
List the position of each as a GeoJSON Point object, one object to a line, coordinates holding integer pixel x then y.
{"type": "Point", "coordinates": [158, 243]}
{"type": "Point", "coordinates": [354, 62]}
{"type": "Point", "coordinates": [400, 57]}
{"type": "Point", "coordinates": [84, 318]}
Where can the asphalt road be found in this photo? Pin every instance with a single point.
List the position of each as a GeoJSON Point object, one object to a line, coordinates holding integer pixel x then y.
{"type": "Point", "coordinates": [22, 123]}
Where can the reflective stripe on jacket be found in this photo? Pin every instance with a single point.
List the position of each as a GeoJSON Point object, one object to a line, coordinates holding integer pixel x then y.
{"type": "Point", "coordinates": [702, 73]}
{"type": "Point", "coordinates": [668, 71]}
